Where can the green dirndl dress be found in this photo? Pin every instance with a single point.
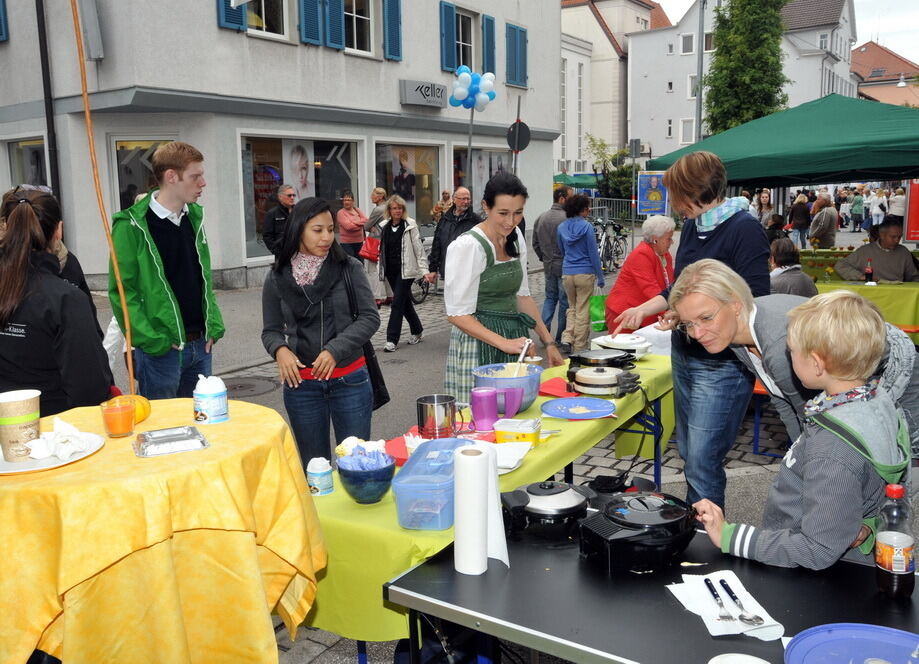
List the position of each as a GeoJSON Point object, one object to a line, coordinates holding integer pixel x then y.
{"type": "Point", "coordinates": [496, 309]}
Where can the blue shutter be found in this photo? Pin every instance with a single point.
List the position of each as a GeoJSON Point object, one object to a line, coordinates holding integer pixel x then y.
{"type": "Point", "coordinates": [447, 36]}
{"type": "Point", "coordinates": [392, 29]}
{"type": "Point", "coordinates": [335, 23]}
{"type": "Point", "coordinates": [231, 18]}
{"type": "Point", "coordinates": [522, 56]}
{"type": "Point", "coordinates": [488, 43]}
{"type": "Point", "coordinates": [310, 22]}
{"type": "Point", "coordinates": [4, 26]}
{"type": "Point", "coordinates": [510, 53]}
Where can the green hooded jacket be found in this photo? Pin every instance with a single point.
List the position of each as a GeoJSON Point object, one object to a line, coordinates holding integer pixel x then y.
{"type": "Point", "coordinates": [156, 322]}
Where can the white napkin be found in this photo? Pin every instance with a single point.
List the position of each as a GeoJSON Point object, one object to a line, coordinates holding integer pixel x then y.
{"type": "Point", "coordinates": [510, 454]}
{"type": "Point", "coordinates": [63, 442]}
{"type": "Point", "coordinates": [695, 597]}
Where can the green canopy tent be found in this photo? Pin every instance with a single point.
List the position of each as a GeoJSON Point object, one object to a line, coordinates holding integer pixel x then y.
{"type": "Point", "coordinates": [832, 139]}
{"type": "Point", "coordinates": [583, 181]}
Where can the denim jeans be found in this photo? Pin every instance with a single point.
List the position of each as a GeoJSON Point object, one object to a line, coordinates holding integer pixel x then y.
{"type": "Point", "coordinates": [555, 295]}
{"type": "Point", "coordinates": [348, 401]}
{"type": "Point", "coordinates": [710, 398]}
{"type": "Point", "coordinates": [799, 235]}
{"type": "Point", "coordinates": [173, 374]}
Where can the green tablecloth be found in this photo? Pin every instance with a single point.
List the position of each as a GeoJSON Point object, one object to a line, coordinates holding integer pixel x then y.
{"type": "Point", "coordinates": [814, 263]}
{"type": "Point", "coordinates": [367, 547]}
{"type": "Point", "coordinates": [899, 303]}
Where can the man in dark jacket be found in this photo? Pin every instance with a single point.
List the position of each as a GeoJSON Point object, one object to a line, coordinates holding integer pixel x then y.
{"type": "Point", "coordinates": [545, 244]}
{"type": "Point", "coordinates": [456, 221]}
{"type": "Point", "coordinates": [275, 221]}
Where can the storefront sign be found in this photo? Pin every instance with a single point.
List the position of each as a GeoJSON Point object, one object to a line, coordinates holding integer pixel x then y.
{"type": "Point", "coordinates": [422, 93]}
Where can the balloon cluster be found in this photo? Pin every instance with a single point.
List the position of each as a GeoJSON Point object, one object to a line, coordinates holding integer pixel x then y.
{"type": "Point", "coordinates": [471, 90]}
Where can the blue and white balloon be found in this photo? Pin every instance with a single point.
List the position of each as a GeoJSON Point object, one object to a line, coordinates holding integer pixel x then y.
{"type": "Point", "coordinates": [472, 90]}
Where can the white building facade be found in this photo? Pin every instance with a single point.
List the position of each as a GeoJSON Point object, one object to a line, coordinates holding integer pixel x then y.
{"type": "Point", "coordinates": [328, 96]}
{"type": "Point", "coordinates": [663, 68]}
{"type": "Point", "coordinates": [570, 149]}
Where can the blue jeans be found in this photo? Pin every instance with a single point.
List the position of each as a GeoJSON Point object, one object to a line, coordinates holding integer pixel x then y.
{"type": "Point", "coordinates": [173, 374]}
{"type": "Point", "coordinates": [710, 398]}
{"type": "Point", "coordinates": [799, 235]}
{"type": "Point", "coordinates": [555, 295]}
{"type": "Point", "coordinates": [348, 401]}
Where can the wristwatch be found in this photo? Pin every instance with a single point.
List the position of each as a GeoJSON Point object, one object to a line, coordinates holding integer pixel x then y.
{"type": "Point", "coordinates": [547, 344]}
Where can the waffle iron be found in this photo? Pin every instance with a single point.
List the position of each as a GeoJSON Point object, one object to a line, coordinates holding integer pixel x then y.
{"type": "Point", "coordinates": [607, 357]}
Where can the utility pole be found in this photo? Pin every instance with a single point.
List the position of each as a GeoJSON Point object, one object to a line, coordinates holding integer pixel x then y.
{"type": "Point", "coordinates": [700, 45]}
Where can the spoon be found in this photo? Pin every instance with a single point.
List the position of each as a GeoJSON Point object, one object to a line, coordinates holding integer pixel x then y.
{"type": "Point", "coordinates": [745, 616]}
{"type": "Point", "coordinates": [526, 346]}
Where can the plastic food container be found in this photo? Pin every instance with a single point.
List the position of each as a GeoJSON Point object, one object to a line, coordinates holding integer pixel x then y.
{"type": "Point", "coordinates": [518, 431]}
{"type": "Point", "coordinates": [424, 487]}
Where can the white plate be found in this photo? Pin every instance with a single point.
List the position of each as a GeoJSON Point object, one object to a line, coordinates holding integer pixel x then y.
{"type": "Point", "coordinates": [510, 455]}
{"type": "Point", "coordinates": [34, 465]}
{"type": "Point", "coordinates": [736, 658]}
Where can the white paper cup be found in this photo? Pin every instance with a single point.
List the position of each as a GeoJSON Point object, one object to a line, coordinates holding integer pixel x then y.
{"type": "Point", "coordinates": [19, 413]}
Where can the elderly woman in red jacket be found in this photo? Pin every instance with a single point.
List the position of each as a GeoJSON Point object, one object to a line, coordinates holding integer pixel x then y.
{"type": "Point", "coordinates": [646, 272]}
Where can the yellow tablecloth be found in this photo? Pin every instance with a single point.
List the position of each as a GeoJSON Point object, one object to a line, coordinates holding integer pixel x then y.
{"type": "Point", "coordinates": [367, 547]}
{"type": "Point", "coordinates": [899, 303]}
{"type": "Point", "coordinates": [173, 559]}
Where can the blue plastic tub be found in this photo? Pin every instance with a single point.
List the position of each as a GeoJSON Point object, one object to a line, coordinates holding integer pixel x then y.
{"type": "Point", "coordinates": [424, 487]}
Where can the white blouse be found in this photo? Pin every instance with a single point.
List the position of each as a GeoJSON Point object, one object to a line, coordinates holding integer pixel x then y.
{"type": "Point", "coordinates": [465, 263]}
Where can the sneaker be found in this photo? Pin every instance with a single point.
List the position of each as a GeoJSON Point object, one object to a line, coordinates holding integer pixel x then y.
{"type": "Point", "coordinates": [564, 349]}
{"type": "Point", "coordinates": [390, 347]}
{"type": "Point", "coordinates": [415, 338]}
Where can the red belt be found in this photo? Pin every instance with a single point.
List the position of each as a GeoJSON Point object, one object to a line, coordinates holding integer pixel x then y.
{"type": "Point", "coordinates": [307, 372]}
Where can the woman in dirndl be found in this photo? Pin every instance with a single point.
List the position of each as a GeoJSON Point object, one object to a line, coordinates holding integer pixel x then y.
{"type": "Point", "coordinates": [486, 292]}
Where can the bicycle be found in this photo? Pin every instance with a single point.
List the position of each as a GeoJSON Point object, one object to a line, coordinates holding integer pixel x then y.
{"type": "Point", "coordinates": [610, 243]}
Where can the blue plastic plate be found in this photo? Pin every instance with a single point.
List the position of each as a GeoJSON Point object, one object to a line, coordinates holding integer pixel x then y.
{"type": "Point", "coordinates": [851, 642]}
{"type": "Point", "coordinates": [578, 408]}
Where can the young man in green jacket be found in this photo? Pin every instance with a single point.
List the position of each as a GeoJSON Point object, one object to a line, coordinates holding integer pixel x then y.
{"type": "Point", "coordinates": [165, 267]}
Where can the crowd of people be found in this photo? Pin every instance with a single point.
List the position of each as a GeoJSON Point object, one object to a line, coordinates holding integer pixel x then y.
{"type": "Point", "coordinates": [738, 308]}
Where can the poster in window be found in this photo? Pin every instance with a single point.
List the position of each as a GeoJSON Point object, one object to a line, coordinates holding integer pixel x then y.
{"type": "Point", "coordinates": [652, 195]}
{"type": "Point", "coordinates": [298, 166]}
{"type": "Point", "coordinates": [403, 182]}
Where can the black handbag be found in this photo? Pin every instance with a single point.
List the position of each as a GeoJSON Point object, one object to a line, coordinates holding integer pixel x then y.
{"type": "Point", "coordinates": [380, 393]}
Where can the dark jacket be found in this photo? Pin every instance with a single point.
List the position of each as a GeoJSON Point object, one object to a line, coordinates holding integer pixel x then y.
{"type": "Point", "coordinates": [449, 228]}
{"type": "Point", "coordinates": [51, 343]}
{"type": "Point", "coordinates": [545, 240]}
{"type": "Point", "coordinates": [315, 318]}
{"type": "Point", "coordinates": [72, 271]}
{"type": "Point", "coordinates": [273, 227]}
{"type": "Point", "coordinates": [799, 216]}
{"type": "Point", "coordinates": [774, 233]}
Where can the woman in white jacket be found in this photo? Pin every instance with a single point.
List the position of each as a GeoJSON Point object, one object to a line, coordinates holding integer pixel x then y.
{"type": "Point", "coordinates": [878, 204]}
{"type": "Point", "coordinates": [402, 260]}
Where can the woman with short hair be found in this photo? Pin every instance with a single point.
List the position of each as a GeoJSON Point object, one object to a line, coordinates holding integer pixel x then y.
{"type": "Point", "coordinates": [786, 275]}
{"type": "Point", "coordinates": [711, 392]}
{"type": "Point", "coordinates": [897, 205]}
{"type": "Point", "coordinates": [646, 272]}
{"type": "Point", "coordinates": [382, 293]}
{"type": "Point", "coordinates": [822, 233]}
{"type": "Point", "coordinates": [350, 225]}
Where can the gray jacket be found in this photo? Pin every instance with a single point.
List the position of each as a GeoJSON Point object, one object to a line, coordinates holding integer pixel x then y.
{"type": "Point", "coordinates": [793, 282]}
{"type": "Point", "coordinates": [822, 492]}
{"type": "Point", "coordinates": [898, 370]}
{"type": "Point", "coordinates": [545, 239]}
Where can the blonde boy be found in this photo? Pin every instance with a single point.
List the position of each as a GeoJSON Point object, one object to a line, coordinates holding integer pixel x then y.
{"type": "Point", "coordinates": [830, 487]}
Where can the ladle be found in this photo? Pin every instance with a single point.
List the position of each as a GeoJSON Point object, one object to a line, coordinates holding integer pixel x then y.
{"type": "Point", "coordinates": [745, 616]}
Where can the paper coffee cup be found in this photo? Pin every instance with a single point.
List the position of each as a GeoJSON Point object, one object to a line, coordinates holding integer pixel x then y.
{"type": "Point", "coordinates": [18, 423]}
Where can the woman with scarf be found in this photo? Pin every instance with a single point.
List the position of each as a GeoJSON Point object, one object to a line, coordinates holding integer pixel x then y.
{"type": "Point", "coordinates": [315, 330]}
{"type": "Point", "coordinates": [486, 293]}
{"type": "Point", "coordinates": [711, 391]}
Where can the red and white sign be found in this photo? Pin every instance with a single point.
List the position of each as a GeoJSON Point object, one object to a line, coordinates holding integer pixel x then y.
{"type": "Point", "coordinates": [911, 223]}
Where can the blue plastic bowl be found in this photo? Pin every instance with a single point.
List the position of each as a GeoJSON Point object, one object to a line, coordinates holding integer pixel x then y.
{"type": "Point", "coordinates": [367, 486]}
{"type": "Point", "coordinates": [529, 382]}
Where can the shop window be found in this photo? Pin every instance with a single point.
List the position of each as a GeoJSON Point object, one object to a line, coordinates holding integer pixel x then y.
{"type": "Point", "coordinates": [485, 164]}
{"type": "Point", "coordinates": [357, 25]}
{"type": "Point", "coordinates": [135, 170]}
{"type": "Point", "coordinates": [411, 171]}
{"type": "Point", "coordinates": [312, 168]}
{"type": "Point", "coordinates": [266, 17]}
{"type": "Point", "coordinates": [27, 162]}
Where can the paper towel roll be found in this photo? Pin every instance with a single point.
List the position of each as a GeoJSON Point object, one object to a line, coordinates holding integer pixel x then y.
{"type": "Point", "coordinates": [477, 523]}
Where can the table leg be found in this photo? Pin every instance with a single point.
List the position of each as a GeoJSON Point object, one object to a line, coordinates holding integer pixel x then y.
{"type": "Point", "coordinates": [569, 473]}
{"type": "Point", "coordinates": [414, 646]}
{"type": "Point", "coordinates": [658, 434]}
{"type": "Point", "coordinates": [361, 652]}
{"type": "Point", "coordinates": [488, 649]}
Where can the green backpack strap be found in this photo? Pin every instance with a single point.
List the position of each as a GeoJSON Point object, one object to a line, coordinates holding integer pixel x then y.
{"type": "Point", "coordinates": [890, 473]}
{"type": "Point", "coordinates": [486, 245]}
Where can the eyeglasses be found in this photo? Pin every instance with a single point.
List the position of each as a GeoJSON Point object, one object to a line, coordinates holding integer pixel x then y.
{"type": "Point", "coordinates": [702, 322]}
{"type": "Point", "coordinates": [290, 195]}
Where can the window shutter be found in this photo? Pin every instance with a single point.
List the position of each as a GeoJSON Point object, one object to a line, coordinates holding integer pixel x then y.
{"type": "Point", "coordinates": [310, 22]}
{"type": "Point", "coordinates": [447, 36]}
{"type": "Point", "coordinates": [510, 53]}
{"type": "Point", "coordinates": [4, 26]}
{"type": "Point", "coordinates": [522, 56]}
{"type": "Point", "coordinates": [488, 43]}
{"type": "Point", "coordinates": [231, 18]}
{"type": "Point", "coordinates": [392, 29]}
{"type": "Point", "coordinates": [335, 23]}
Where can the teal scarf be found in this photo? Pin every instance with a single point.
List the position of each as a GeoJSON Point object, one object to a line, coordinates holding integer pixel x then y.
{"type": "Point", "coordinates": [707, 221]}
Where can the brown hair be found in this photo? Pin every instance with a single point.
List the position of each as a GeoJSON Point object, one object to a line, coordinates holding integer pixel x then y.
{"type": "Point", "coordinates": [31, 218]}
{"type": "Point", "coordinates": [784, 252]}
{"type": "Point", "coordinates": [697, 178]}
{"type": "Point", "coordinates": [819, 204]}
{"type": "Point", "coordinates": [176, 156]}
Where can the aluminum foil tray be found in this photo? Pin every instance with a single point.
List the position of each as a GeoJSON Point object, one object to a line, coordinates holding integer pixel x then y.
{"type": "Point", "coordinates": [169, 441]}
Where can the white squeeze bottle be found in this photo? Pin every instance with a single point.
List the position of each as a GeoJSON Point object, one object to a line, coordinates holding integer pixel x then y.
{"type": "Point", "coordinates": [210, 397]}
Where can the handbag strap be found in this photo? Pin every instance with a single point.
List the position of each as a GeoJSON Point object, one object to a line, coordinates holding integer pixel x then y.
{"type": "Point", "coordinates": [346, 273]}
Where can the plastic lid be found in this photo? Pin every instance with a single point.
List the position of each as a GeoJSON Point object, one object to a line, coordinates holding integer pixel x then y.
{"type": "Point", "coordinates": [895, 491]}
{"type": "Point", "coordinates": [850, 642]}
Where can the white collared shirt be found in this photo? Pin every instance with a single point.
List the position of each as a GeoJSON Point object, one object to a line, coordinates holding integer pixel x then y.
{"type": "Point", "coordinates": [165, 213]}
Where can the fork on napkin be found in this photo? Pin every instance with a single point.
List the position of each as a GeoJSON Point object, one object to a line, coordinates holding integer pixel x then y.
{"type": "Point", "coordinates": [695, 597]}
{"type": "Point", "coordinates": [63, 442]}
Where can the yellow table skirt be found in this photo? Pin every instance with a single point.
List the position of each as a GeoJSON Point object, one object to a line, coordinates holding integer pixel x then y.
{"type": "Point", "coordinates": [898, 303]}
{"type": "Point", "coordinates": [174, 559]}
{"type": "Point", "coordinates": [367, 547]}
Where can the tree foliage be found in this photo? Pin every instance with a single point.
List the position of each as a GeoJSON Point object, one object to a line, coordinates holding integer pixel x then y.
{"type": "Point", "coordinates": [611, 168]}
{"type": "Point", "coordinates": [745, 79]}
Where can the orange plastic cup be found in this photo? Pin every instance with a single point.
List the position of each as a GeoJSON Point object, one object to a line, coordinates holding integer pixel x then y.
{"type": "Point", "coordinates": [118, 417]}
